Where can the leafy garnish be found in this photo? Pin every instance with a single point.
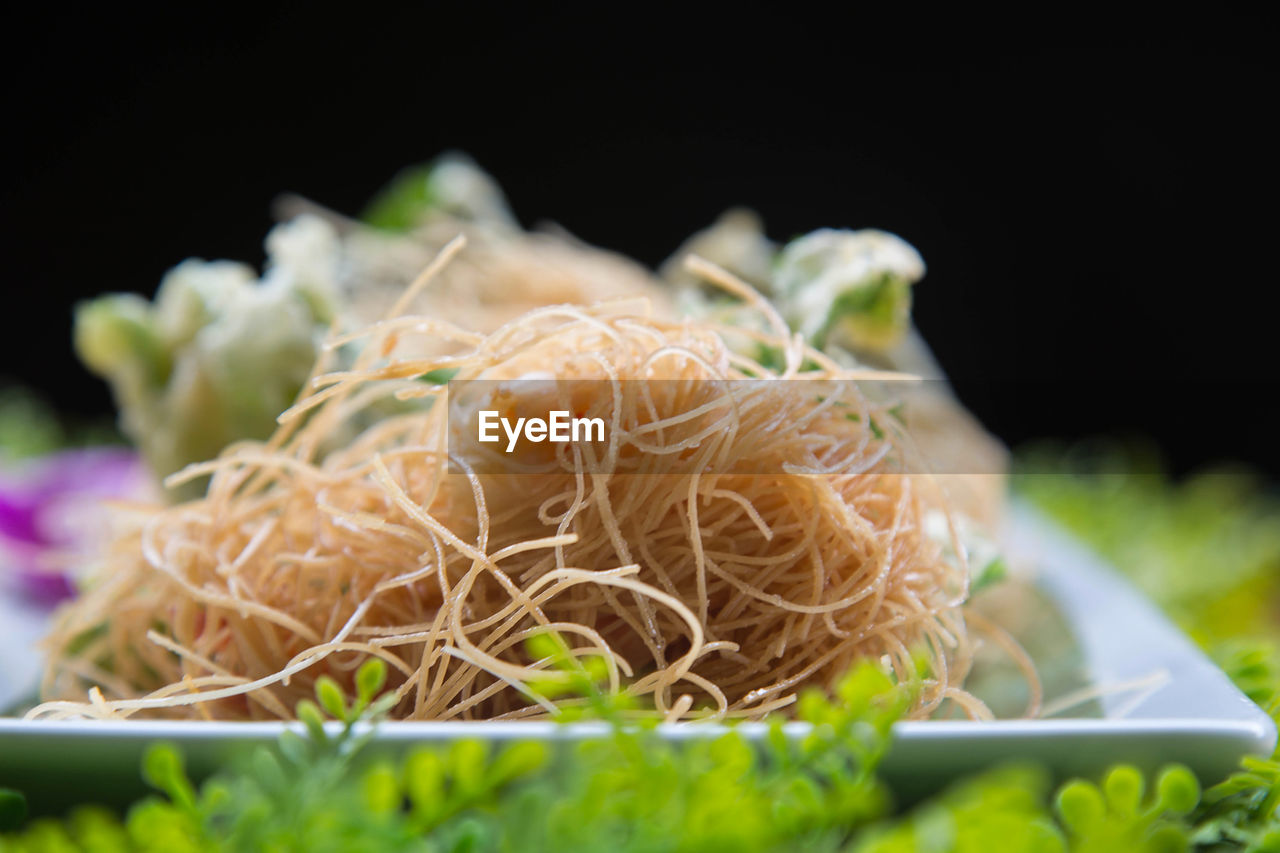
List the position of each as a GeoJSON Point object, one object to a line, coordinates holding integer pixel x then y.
{"type": "Point", "coordinates": [1114, 816]}
{"type": "Point", "coordinates": [1002, 809]}
{"type": "Point", "coordinates": [632, 790]}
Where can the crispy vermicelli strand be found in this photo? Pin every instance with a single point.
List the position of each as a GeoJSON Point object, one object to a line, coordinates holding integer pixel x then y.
{"type": "Point", "coordinates": [728, 545]}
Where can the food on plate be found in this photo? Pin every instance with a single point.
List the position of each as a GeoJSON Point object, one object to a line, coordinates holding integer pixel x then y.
{"type": "Point", "coordinates": [218, 354]}
{"type": "Point", "coordinates": [760, 516]}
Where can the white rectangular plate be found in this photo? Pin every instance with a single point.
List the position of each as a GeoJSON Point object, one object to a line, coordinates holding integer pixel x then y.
{"type": "Point", "coordinates": [1189, 712]}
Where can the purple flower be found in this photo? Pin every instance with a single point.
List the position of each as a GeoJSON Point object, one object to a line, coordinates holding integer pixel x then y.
{"type": "Point", "coordinates": [51, 509]}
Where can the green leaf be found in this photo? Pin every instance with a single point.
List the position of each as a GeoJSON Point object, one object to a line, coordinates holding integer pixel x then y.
{"type": "Point", "coordinates": [993, 572]}
{"type": "Point", "coordinates": [311, 717]}
{"type": "Point", "coordinates": [370, 679]}
{"type": "Point", "coordinates": [162, 769]}
{"type": "Point", "coordinates": [1081, 806]}
{"type": "Point", "coordinates": [116, 333]}
{"type": "Point", "coordinates": [1178, 790]}
{"type": "Point", "coordinates": [400, 205]}
{"type": "Point", "coordinates": [424, 777]}
{"type": "Point", "coordinates": [545, 646]}
{"type": "Point", "coordinates": [329, 694]}
{"type": "Point", "coordinates": [517, 760]}
{"type": "Point", "coordinates": [1166, 838]}
{"type": "Point", "coordinates": [294, 747]}
{"type": "Point", "coordinates": [13, 809]}
{"type": "Point", "coordinates": [1123, 786]}
{"type": "Point", "coordinates": [381, 789]}
{"type": "Point", "coordinates": [467, 760]}
{"type": "Point", "coordinates": [439, 377]}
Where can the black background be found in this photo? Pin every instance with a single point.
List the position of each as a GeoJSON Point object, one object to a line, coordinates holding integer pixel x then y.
{"type": "Point", "coordinates": [1095, 206]}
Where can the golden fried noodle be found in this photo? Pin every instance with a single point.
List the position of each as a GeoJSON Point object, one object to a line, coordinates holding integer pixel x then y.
{"type": "Point", "coordinates": [709, 593]}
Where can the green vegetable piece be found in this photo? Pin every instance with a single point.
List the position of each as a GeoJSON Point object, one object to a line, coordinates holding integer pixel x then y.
{"type": "Point", "coordinates": [451, 185]}
{"type": "Point", "coordinates": [848, 288]}
{"type": "Point", "coordinates": [220, 352]}
{"type": "Point", "coordinates": [115, 335]}
{"type": "Point", "coordinates": [439, 377]}
{"type": "Point", "coordinates": [403, 202]}
{"type": "Point", "coordinates": [874, 312]}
